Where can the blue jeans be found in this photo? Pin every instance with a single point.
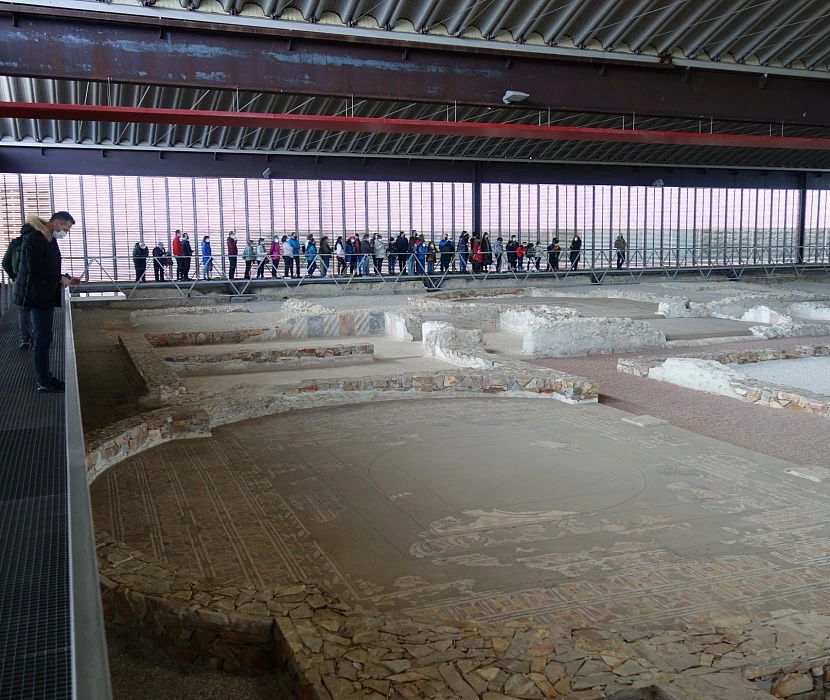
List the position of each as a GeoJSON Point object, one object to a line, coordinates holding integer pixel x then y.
{"type": "Point", "coordinates": [364, 265]}
{"type": "Point", "coordinates": [42, 331]}
{"type": "Point", "coordinates": [25, 321]}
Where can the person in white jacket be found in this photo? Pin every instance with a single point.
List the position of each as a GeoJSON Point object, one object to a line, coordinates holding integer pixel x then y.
{"type": "Point", "coordinates": [340, 255]}
{"type": "Point", "coordinates": [287, 256]}
{"type": "Point", "coordinates": [380, 253]}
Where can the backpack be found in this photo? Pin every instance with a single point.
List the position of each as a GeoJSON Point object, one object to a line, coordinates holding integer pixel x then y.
{"type": "Point", "coordinates": [11, 260]}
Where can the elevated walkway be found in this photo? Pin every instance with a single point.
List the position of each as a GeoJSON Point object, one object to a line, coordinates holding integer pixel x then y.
{"type": "Point", "coordinates": [51, 631]}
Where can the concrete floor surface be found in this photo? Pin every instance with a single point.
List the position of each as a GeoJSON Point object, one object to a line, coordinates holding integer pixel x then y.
{"type": "Point", "coordinates": [809, 373]}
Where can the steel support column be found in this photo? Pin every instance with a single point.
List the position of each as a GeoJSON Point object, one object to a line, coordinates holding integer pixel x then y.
{"type": "Point", "coordinates": [477, 204]}
{"type": "Point", "coordinates": [802, 219]}
{"type": "Point", "coordinates": [53, 43]}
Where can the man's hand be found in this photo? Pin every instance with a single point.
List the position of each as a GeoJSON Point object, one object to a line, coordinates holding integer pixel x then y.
{"type": "Point", "coordinates": [64, 281]}
{"type": "Point", "coordinates": [75, 281]}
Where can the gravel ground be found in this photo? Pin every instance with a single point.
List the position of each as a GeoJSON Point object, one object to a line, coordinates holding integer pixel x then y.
{"type": "Point", "coordinates": [809, 373]}
{"type": "Point", "coordinates": [135, 678]}
{"type": "Point", "coordinates": [797, 437]}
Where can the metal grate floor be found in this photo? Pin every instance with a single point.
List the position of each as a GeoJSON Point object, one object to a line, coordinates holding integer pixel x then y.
{"type": "Point", "coordinates": [35, 654]}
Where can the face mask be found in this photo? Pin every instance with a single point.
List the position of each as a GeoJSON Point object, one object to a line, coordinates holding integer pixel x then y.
{"type": "Point", "coordinates": [59, 234]}
{"type": "Point", "coordinates": [207, 240]}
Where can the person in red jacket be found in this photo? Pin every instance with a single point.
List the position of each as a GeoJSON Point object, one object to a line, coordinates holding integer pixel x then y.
{"type": "Point", "coordinates": [233, 251]}
{"type": "Point", "coordinates": [178, 254]}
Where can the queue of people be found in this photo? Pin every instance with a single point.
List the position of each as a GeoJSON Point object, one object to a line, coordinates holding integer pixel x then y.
{"type": "Point", "coordinates": [362, 255]}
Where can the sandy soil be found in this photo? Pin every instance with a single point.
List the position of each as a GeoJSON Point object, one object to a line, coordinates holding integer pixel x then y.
{"type": "Point", "coordinates": [109, 385]}
{"type": "Point", "coordinates": [136, 678]}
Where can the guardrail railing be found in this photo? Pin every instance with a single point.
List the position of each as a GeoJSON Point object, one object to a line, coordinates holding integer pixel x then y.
{"type": "Point", "coordinates": [90, 663]}
{"type": "Point", "coordinates": [434, 269]}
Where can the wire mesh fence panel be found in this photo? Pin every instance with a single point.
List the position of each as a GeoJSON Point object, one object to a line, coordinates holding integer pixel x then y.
{"type": "Point", "coordinates": [661, 227]}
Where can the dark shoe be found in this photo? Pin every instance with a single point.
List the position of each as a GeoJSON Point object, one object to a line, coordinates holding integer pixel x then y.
{"type": "Point", "coordinates": [53, 387]}
{"type": "Point", "coordinates": [24, 345]}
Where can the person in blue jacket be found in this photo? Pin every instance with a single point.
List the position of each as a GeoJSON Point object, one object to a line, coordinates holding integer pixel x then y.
{"type": "Point", "coordinates": [421, 251]}
{"type": "Point", "coordinates": [207, 258]}
{"type": "Point", "coordinates": [311, 256]}
{"type": "Point", "coordinates": [294, 242]}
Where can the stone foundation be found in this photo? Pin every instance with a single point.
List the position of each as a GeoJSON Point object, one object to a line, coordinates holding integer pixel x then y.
{"type": "Point", "coordinates": [263, 360]}
{"type": "Point", "coordinates": [742, 387]}
{"type": "Point", "coordinates": [321, 649]}
{"type": "Point", "coordinates": [161, 383]}
{"type": "Point", "coordinates": [332, 325]}
{"type": "Point", "coordinates": [458, 347]}
{"type": "Point", "coordinates": [563, 333]}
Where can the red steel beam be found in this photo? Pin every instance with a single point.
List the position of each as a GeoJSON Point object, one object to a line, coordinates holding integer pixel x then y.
{"type": "Point", "coordinates": [255, 120]}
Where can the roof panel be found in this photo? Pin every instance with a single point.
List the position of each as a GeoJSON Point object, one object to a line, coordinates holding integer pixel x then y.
{"type": "Point", "coordinates": [772, 32]}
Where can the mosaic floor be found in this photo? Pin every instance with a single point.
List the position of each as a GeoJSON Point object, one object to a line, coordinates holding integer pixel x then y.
{"type": "Point", "coordinates": [444, 508]}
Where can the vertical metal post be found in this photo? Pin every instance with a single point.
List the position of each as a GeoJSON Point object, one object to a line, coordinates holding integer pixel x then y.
{"type": "Point", "coordinates": [557, 211]}
{"type": "Point", "coordinates": [23, 203]}
{"type": "Point", "coordinates": [593, 225]}
{"type": "Point", "coordinates": [167, 211]}
{"type": "Point", "coordinates": [432, 210]}
{"type": "Point", "coordinates": [769, 234]}
{"type": "Point", "coordinates": [741, 227]}
{"type": "Point", "coordinates": [662, 225]}
{"type": "Point", "coordinates": [221, 223]}
{"type": "Point", "coordinates": [389, 205]}
{"type": "Point", "coordinates": [611, 227]}
{"type": "Point", "coordinates": [518, 207]}
{"type": "Point", "coordinates": [477, 199]}
{"type": "Point", "coordinates": [802, 218]}
{"type": "Point", "coordinates": [319, 206]}
{"type": "Point", "coordinates": [247, 217]}
{"type": "Point", "coordinates": [726, 236]}
{"type": "Point", "coordinates": [365, 207]}
{"type": "Point", "coordinates": [645, 226]}
{"type": "Point", "coordinates": [694, 229]}
{"type": "Point", "coordinates": [271, 210]}
{"type": "Point", "coordinates": [685, 225]}
{"type": "Point", "coordinates": [112, 229]}
{"type": "Point", "coordinates": [195, 210]}
{"type": "Point", "coordinates": [296, 207]}
{"type": "Point", "coordinates": [83, 227]}
{"type": "Point", "coordinates": [755, 230]}
{"type": "Point", "coordinates": [709, 253]}
{"type": "Point", "coordinates": [411, 222]}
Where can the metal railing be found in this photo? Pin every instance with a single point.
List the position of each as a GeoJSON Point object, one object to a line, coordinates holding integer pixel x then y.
{"type": "Point", "coordinates": [392, 269]}
{"type": "Point", "coordinates": [90, 664]}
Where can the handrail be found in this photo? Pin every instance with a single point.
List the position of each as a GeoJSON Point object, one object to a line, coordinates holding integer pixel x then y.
{"type": "Point", "coordinates": [90, 663]}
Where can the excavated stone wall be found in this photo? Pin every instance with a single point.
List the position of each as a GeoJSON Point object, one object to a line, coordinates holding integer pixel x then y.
{"type": "Point", "coordinates": [727, 382]}
{"type": "Point", "coordinates": [551, 334]}
{"type": "Point", "coordinates": [276, 358]}
{"type": "Point", "coordinates": [322, 650]}
{"type": "Point", "coordinates": [459, 347]}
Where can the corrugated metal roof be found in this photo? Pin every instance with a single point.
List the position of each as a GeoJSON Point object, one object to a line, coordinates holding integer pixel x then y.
{"type": "Point", "coordinates": [112, 135]}
{"type": "Point", "coordinates": [776, 33]}
{"type": "Point", "coordinates": [791, 34]}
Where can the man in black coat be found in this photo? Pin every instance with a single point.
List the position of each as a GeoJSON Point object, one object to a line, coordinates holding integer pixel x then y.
{"type": "Point", "coordinates": [140, 253]}
{"type": "Point", "coordinates": [38, 287]}
{"type": "Point", "coordinates": [187, 252]}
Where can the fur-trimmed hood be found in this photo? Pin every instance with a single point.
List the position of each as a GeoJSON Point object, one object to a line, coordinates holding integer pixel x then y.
{"type": "Point", "coordinates": [41, 225]}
